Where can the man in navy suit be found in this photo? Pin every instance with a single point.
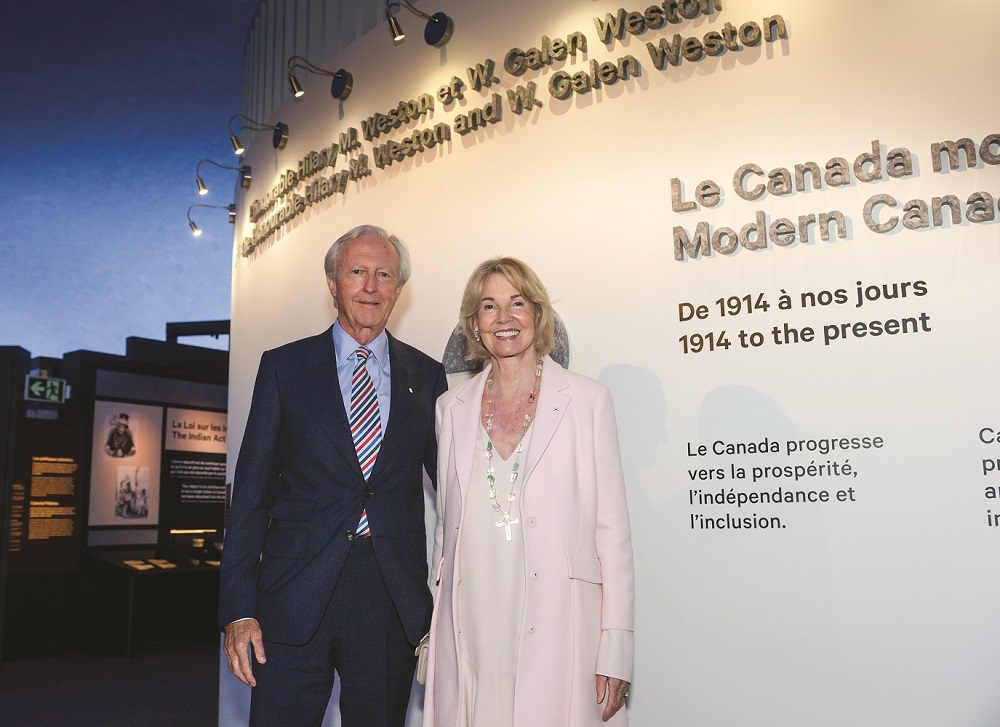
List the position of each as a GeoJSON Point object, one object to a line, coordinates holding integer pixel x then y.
{"type": "Point", "coordinates": [324, 569]}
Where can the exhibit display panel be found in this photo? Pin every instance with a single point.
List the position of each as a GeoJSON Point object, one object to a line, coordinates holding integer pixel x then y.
{"type": "Point", "coordinates": [125, 464]}
{"type": "Point", "coordinates": [194, 478]}
{"type": "Point", "coordinates": [46, 508]}
{"type": "Point", "coordinates": [770, 227]}
{"type": "Point", "coordinates": [155, 468]}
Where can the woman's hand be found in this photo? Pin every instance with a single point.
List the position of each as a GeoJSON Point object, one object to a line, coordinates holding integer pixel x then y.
{"type": "Point", "coordinates": [615, 691]}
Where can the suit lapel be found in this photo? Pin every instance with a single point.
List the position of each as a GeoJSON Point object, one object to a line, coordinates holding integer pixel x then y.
{"type": "Point", "coordinates": [552, 404]}
{"type": "Point", "coordinates": [403, 409]}
{"type": "Point", "coordinates": [324, 399]}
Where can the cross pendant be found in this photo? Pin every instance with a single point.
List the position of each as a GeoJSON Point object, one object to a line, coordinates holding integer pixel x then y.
{"type": "Point", "coordinates": [505, 523]}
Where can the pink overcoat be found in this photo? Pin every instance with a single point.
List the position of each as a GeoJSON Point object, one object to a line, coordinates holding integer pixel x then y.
{"type": "Point", "coordinates": [579, 577]}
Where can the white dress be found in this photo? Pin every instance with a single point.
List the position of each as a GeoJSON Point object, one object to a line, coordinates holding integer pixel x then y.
{"type": "Point", "coordinates": [490, 594]}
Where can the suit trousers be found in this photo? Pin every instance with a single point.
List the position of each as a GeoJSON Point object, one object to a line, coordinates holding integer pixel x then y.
{"type": "Point", "coordinates": [360, 639]}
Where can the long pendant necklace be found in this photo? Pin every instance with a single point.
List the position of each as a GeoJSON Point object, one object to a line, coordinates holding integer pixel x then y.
{"type": "Point", "coordinates": [506, 521]}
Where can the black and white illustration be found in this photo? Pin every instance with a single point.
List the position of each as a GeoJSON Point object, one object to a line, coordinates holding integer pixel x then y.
{"type": "Point", "coordinates": [125, 465]}
{"type": "Point", "coordinates": [132, 493]}
{"type": "Point", "coordinates": [120, 442]}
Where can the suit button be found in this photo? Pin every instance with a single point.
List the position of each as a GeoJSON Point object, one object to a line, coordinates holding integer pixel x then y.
{"type": "Point", "coordinates": [368, 493]}
{"type": "Point", "coordinates": [350, 536]}
{"type": "Point", "coordinates": [531, 629]}
{"type": "Point", "coordinates": [535, 575]}
{"type": "Point", "coordinates": [532, 522]}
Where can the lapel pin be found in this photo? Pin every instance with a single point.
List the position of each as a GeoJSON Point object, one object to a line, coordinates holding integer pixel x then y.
{"type": "Point", "coordinates": [411, 390]}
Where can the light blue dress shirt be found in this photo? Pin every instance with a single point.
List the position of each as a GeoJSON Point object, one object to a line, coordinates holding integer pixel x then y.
{"type": "Point", "coordinates": [378, 369]}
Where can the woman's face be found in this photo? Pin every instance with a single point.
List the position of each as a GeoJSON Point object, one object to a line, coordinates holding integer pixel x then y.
{"type": "Point", "coordinates": [506, 320]}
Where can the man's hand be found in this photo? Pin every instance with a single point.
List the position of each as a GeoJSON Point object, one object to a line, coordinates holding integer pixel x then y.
{"type": "Point", "coordinates": [240, 636]}
{"type": "Point", "coordinates": [615, 690]}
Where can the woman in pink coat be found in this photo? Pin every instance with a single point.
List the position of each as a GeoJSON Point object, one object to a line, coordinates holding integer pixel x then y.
{"type": "Point", "coordinates": [533, 616]}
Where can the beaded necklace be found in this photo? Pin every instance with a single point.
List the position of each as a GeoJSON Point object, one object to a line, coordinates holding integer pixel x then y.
{"type": "Point", "coordinates": [506, 521]}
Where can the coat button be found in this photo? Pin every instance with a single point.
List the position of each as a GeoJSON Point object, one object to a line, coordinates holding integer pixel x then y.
{"type": "Point", "coordinates": [368, 493]}
{"type": "Point", "coordinates": [532, 521]}
{"type": "Point", "coordinates": [534, 575]}
{"type": "Point", "coordinates": [531, 629]}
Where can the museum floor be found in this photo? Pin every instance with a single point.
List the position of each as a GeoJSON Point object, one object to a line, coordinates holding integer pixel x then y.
{"type": "Point", "coordinates": [172, 686]}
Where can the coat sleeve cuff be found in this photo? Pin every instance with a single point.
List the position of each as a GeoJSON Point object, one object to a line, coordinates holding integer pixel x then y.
{"type": "Point", "coordinates": [615, 654]}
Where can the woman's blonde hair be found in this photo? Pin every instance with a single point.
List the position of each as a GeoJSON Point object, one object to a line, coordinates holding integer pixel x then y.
{"type": "Point", "coordinates": [525, 282]}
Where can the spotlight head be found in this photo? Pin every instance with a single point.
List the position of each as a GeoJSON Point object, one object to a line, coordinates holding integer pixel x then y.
{"type": "Point", "coordinates": [237, 145]}
{"type": "Point", "coordinates": [202, 189]}
{"type": "Point", "coordinates": [397, 32]}
{"type": "Point", "coordinates": [194, 228]}
{"type": "Point", "coordinates": [297, 90]}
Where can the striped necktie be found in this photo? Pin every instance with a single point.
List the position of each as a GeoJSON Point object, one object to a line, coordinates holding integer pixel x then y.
{"type": "Point", "coordinates": [366, 424]}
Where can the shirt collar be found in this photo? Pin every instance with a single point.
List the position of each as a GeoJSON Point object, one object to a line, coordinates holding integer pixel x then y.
{"type": "Point", "coordinates": [345, 346]}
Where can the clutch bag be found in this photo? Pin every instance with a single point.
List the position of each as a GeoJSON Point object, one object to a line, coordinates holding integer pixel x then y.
{"type": "Point", "coordinates": [423, 654]}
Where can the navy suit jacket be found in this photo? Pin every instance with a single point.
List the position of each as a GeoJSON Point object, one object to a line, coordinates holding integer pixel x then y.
{"type": "Point", "coordinates": [298, 492]}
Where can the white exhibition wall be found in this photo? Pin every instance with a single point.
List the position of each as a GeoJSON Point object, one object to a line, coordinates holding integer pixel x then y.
{"type": "Point", "coordinates": [875, 606]}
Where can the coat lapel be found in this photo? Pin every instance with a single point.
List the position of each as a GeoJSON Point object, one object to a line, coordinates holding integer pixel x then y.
{"type": "Point", "coordinates": [403, 409]}
{"type": "Point", "coordinates": [465, 415]}
{"type": "Point", "coordinates": [401, 404]}
{"type": "Point", "coordinates": [552, 404]}
{"type": "Point", "coordinates": [322, 386]}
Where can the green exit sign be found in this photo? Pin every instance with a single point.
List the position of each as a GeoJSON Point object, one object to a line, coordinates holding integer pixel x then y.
{"type": "Point", "coordinates": [42, 388]}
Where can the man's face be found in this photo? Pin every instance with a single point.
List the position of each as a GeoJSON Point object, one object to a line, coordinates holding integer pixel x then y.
{"type": "Point", "coordinates": [365, 286]}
